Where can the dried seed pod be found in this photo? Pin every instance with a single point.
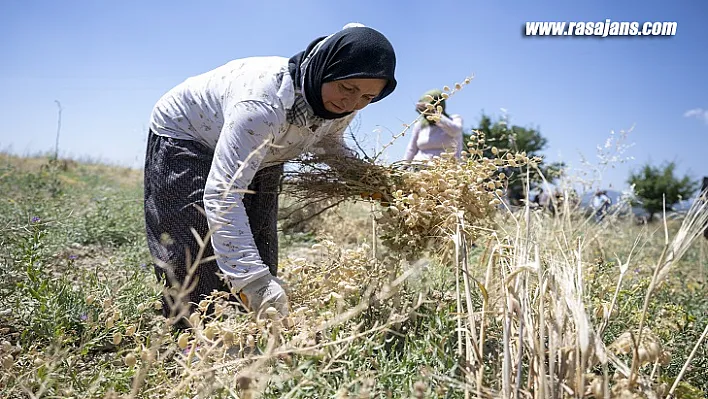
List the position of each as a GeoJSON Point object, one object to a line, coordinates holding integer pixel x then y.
{"type": "Point", "coordinates": [271, 312]}
{"type": "Point", "coordinates": [8, 361]}
{"type": "Point", "coordinates": [644, 356]}
{"type": "Point", "coordinates": [183, 340]}
{"type": "Point", "coordinates": [218, 310]}
{"type": "Point", "coordinates": [597, 388]}
{"type": "Point", "coordinates": [194, 319]}
{"type": "Point", "coordinates": [130, 360]}
{"type": "Point", "coordinates": [130, 330]}
{"type": "Point", "coordinates": [6, 347]}
{"type": "Point", "coordinates": [146, 355]}
{"type": "Point", "coordinates": [229, 338]}
{"type": "Point", "coordinates": [654, 351]}
{"type": "Point", "coordinates": [210, 333]}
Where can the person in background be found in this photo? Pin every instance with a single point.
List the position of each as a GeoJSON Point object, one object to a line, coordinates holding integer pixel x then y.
{"type": "Point", "coordinates": [430, 139]}
{"type": "Point", "coordinates": [544, 200]}
{"type": "Point", "coordinates": [214, 160]}
{"type": "Point", "coordinates": [601, 204]}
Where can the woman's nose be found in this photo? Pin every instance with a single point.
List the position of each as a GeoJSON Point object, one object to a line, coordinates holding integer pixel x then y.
{"type": "Point", "coordinates": [347, 104]}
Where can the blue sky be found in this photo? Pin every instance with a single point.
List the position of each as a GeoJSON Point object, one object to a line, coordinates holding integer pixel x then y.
{"type": "Point", "coordinates": [108, 62]}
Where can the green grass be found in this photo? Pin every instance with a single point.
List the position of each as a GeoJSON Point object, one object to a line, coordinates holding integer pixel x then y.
{"type": "Point", "coordinates": [76, 275]}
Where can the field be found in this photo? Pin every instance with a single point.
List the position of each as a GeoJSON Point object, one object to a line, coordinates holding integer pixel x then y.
{"type": "Point", "coordinates": [535, 306]}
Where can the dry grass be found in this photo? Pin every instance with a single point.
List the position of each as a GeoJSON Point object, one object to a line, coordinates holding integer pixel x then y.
{"type": "Point", "coordinates": [122, 177]}
{"type": "Point", "coordinates": [430, 287]}
{"type": "Point", "coordinates": [516, 316]}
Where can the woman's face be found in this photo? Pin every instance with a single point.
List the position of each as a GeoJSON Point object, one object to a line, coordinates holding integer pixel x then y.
{"type": "Point", "coordinates": [348, 95]}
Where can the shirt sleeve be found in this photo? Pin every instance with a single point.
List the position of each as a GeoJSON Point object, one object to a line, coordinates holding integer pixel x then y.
{"type": "Point", "coordinates": [452, 125]}
{"type": "Point", "coordinates": [249, 128]}
{"type": "Point", "coordinates": [412, 148]}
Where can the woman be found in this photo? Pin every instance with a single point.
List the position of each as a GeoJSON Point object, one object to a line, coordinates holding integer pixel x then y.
{"type": "Point", "coordinates": [215, 155]}
{"type": "Point", "coordinates": [601, 203]}
{"type": "Point", "coordinates": [429, 138]}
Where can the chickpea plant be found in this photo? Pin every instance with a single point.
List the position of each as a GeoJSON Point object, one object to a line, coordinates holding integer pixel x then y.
{"type": "Point", "coordinates": [425, 206]}
{"type": "Point", "coordinates": [421, 201]}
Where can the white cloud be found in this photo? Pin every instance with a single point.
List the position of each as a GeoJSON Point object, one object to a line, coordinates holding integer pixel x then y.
{"type": "Point", "coordinates": [698, 113]}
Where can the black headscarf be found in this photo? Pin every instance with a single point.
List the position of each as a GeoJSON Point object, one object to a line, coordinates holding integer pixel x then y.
{"type": "Point", "coordinates": [356, 52]}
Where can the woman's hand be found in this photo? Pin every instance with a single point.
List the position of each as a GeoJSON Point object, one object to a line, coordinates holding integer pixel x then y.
{"type": "Point", "coordinates": [265, 293]}
{"type": "Point", "coordinates": [421, 107]}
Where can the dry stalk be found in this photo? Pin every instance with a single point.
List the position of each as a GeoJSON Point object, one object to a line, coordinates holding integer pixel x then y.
{"type": "Point", "coordinates": [485, 310]}
{"type": "Point", "coordinates": [688, 361]}
{"type": "Point", "coordinates": [541, 383]}
{"type": "Point", "coordinates": [623, 271]}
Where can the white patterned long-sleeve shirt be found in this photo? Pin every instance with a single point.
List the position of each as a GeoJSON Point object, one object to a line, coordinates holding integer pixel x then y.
{"type": "Point", "coordinates": [240, 111]}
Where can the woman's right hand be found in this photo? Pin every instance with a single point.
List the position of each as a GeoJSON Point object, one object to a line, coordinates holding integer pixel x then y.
{"type": "Point", "coordinates": [420, 107]}
{"type": "Point", "coordinates": [264, 293]}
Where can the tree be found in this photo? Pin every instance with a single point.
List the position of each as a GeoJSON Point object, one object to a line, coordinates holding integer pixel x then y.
{"type": "Point", "coordinates": [518, 139]}
{"type": "Point", "coordinates": [652, 183]}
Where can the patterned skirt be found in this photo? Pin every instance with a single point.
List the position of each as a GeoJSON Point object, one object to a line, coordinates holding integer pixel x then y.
{"type": "Point", "coordinates": [176, 172]}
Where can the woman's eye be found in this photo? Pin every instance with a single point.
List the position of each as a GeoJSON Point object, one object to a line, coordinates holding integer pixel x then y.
{"type": "Point", "coordinates": [346, 88]}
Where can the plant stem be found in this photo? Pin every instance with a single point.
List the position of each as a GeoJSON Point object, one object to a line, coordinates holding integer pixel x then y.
{"type": "Point", "coordinates": [56, 146]}
{"type": "Point", "coordinates": [688, 361]}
